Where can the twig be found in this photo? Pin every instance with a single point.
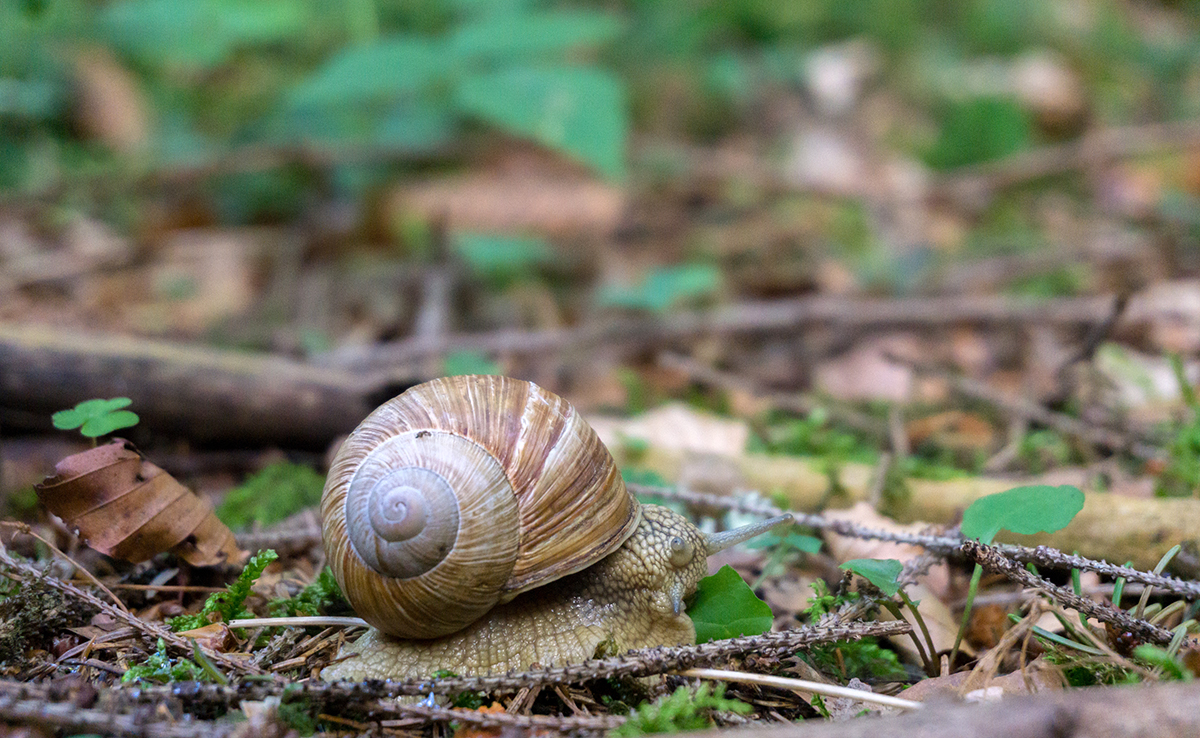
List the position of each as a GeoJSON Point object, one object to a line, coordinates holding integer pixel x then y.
{"type": "Point", "coordinates": [1094, 149]}
{"type": "Point", "coordinates": [1096, 435]}
{"type": "Point", "coordinates": [797, 402]}
{"type": "Point", "coordinates": [1042, 556]}
{"type": "Point", "coordinates": [802, 685]}
{"type": "Point", "coordinates": [992, 559]}
{"type": "Point", "coordinates": [24, 528]}
{"type": "Point", "coordinates": [642, 662]}
{"type": "Point", "coordinates": [498, 719]}
{"type": "Point", "coordinates": [72, 718]}
{"type": "Point", "coordinates": [152, 630]}
{"type": "Point", "coordinates": [385, 359]}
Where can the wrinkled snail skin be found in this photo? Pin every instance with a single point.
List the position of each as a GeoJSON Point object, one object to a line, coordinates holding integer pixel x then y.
{"type": "Point", "coordinates": [633, 597]}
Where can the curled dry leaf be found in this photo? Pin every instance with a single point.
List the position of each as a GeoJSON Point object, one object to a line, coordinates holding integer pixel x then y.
{"type": "Point", "coordinates": [128, 508]}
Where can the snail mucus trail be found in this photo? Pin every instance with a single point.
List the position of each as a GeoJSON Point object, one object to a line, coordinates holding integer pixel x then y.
{"type": "Point", "coordinates": [479, 525]}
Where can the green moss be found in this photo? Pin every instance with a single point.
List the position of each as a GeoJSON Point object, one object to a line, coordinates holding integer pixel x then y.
{"type": "Point", "coordinates": [277, 492]}
{"type": "Point", "coordinates": [229, 604]}
{"type": "Point", "coordinates": [161, 668]}
{"type": "Point", "coordinates": [322, 597]}
{"type": "Point", "coordinates": [682, 710]}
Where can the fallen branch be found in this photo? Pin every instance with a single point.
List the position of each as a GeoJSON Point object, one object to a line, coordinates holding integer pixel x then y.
{"type": "Point", "coordinates": [742, 318]}
{"type": "Point", "coordinates": [197, 392]}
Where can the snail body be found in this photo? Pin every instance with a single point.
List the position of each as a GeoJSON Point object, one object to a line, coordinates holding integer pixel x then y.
{"type": "Point", "coordinates": [480, 526]}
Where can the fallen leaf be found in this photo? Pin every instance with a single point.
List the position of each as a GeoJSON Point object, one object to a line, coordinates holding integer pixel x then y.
{"type": "Point", "coordinates": [125, 507]}
{"type": "Point", "coordinates": [676, 427]}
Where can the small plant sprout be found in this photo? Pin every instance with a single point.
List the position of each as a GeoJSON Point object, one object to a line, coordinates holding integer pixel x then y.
{"type": "Point", "coordinates": [95, 418]}
{"type": "Point", "coordinates": [885, 575]}
{"type": "Point", "coordinates": [1023, 510]}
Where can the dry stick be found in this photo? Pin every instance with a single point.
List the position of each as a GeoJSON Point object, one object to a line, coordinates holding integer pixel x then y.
{"type": "Point", "coordinates": [1096, 435]}
{"type": "Point", "coordinates": [993, 560]}
{"type": "Point", "coordinates": [636, 663]}
{"type": "Point", "coordinates": [24, 528]}
{"type": "Point", "coordinates": [198, 392]}
{"type": "Point", "coordinates": [1096, 148]}
{"type": "Point", "coordinates": [802, 685]}
{"type": "Point", "coordinates": [1042, 556]}
{"type": "Point", "coordinates": [746, 317]}
{"type": "Point", "coordinates": [494, 719]}
{"type": "Point", "coordinates": [797, 403]}
{"type": "Point", "coordinates": [152, 630]}
{"type": "Point", "coordinates": [67, 716]}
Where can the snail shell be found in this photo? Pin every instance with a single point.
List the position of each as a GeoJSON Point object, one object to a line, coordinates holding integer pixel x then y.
{"type": "Point", "coordinates": [462, 493]}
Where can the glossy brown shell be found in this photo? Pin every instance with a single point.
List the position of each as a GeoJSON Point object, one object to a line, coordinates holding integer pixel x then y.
{"type": "Point", "coordinates": [539, 497]}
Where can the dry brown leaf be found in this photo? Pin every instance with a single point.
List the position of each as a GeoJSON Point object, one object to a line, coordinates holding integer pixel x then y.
{"type": "Point", "coordinates": [128, 508]}
{"type": "Point", "coordinates": [1037, 676]}
{"type": "Point", "coordinates": [550, 205]}
{"type": "Point", "coordinates": [953, 429]}
{"type": "Point", "coordinates": [679, 428]}
{"type": "Point", "coordinates": [468, 730]}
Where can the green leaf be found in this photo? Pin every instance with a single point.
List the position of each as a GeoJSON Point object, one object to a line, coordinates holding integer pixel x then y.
{"type": "Point", "coordinates": [576, 110]}
{"type": "Point", "coordinates": [106, 424]}
{"type": "Point", "coordinates": [200, 33]}
{"type": "Point", "coordinates": [664, 287]}
{"type": "Point", "coordinates": [1023, 510]}
{"type": "Point", "coordinates": [382, 71]}
{"type": "Point", "coordinates": [96, 417]}
{"type": "Point", "coordinates": [502, 257]}
{"type": "Point", "coordinates": [880, 572]}
{"type": "Point", "coordinates": [522, 36]}
{"type": "Point", "coordinates": [724, 606]}
{"type": "Point", "coordinates": [979, 130]}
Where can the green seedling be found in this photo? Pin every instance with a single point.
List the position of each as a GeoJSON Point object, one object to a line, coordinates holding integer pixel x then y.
{"type": "Point", "coordinates": [230, 604]}
{"type": "Point", "coordinates": [95, 418]}
{"type": "Point", "coordinates": [783, 548]}
{"type": "Point", "coordinates": [1022, 510]}
{"type": "Point", "coordinates": [885, 575]}
{"type": "Point", "coordinates": [725, 607]}
{"type": "Point", "coordinates": [861, 657]}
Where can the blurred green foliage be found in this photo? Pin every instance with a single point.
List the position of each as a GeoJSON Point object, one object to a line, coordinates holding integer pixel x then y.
{"type": "Point", "coordinates": [413, 77]}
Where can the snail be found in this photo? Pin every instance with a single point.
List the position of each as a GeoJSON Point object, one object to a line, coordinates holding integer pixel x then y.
{"type": "Point", "coordinates": [478, 524]}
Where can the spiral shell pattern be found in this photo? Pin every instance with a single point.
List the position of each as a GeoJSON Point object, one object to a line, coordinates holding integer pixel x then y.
{"type": "Point", "coordinates": [463, 492]}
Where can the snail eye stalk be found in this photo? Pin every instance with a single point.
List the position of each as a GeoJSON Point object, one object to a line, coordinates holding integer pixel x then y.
{"type": "Point", "coordinates": [681, 552]}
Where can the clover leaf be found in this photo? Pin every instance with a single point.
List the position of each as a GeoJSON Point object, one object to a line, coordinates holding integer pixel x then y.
{"type": "Point", "coordinates": [96, 417]}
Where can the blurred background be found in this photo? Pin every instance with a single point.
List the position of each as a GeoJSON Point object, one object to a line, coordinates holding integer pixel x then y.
{"type": "Point", "coordinates": [844, 223]}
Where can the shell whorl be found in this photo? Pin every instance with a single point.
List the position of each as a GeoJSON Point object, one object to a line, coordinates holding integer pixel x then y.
{"type": "Point", "coordinates": [463, 492]}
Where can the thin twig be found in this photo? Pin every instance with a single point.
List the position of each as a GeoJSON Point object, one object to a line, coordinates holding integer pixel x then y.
{"type": "Point", "coordinates": [151, 630]}
{"type": "Point", "coordinates": [1096, 435]}
{"type": "Point", "coordinates": [802, 685]}
{"type": "Point", "coordinates": [641, 662]}
{"type": "Point", "coordinates": [389, 359]}
{"type": "Point", "coordinates": [24, 528]}
{"type": "Point", "coordinates": [1042, 556]}
{"type": "Point", "coordinates": [993, 559]}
